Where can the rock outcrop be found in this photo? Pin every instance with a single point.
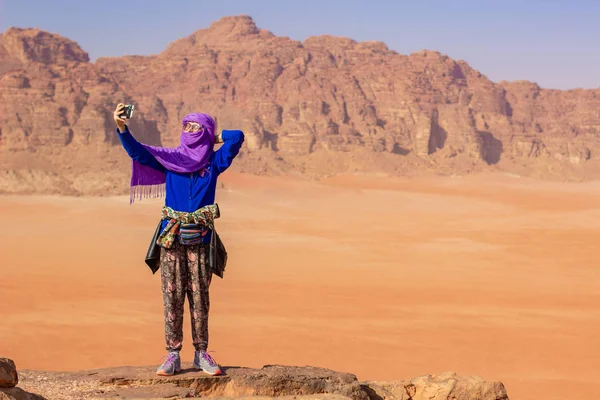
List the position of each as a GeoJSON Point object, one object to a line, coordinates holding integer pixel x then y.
{"type": "Point", "coordinates": [9, 379]}
{"type": "Point", "coordinates": [272, 381]}
{"type": "Point", "coordinates": [318, 107]}
{"type": "Point", "coordinates": [8, 373]}
{"type": "Point", "coordinates": [442, 387]}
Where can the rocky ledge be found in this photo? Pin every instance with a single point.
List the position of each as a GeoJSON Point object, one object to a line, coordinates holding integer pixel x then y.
{"type": "Point", "coordinates": [237, 382]}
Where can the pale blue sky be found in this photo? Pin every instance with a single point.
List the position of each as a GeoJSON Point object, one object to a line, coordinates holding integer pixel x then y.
{"type": "Point", "coordinates": [553, 42]}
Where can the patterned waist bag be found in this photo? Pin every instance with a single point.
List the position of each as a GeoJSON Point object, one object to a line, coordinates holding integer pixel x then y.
{"type": "Point", "coordinates": [191, 234]}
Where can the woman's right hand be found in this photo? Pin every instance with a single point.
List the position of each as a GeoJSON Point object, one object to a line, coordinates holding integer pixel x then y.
{"type": "Point", "coordinates": [118, 120]}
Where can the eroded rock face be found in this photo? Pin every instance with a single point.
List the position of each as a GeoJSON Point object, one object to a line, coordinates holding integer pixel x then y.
{"type": "Point", "coordinates": [274, 381]}
{"type": "Point", "coordinates": [18, 394]}
{"type": "Point", "coordinates": [8, 373]}
{"type": "Point", "coordinates": [326, 96]}
{"type": "Point", "coordinates": [438, 387]}
{"type": "Point", "coordinates": [9, 379]}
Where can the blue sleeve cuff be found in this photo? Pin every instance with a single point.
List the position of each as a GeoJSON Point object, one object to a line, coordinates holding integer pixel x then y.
{"type": "Point", "coordinates": [232, 135]}
{"type": "Point", "coordinates": [122, 133]}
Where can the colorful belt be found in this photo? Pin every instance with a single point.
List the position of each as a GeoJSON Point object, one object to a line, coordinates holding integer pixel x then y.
{"type": "Point", "coordinates": [191, 227]}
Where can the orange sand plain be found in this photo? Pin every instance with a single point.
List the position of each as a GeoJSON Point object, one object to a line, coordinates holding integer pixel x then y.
{"type": "Point", "coordinates": [386, 278]}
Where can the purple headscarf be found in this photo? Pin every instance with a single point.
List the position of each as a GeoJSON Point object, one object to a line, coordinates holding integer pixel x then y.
{"type": "Point", "coordinates": [192, 155]}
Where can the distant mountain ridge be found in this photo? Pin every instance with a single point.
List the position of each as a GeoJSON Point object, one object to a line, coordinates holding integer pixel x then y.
{"type": "Point", "coordinates": [324, 106]}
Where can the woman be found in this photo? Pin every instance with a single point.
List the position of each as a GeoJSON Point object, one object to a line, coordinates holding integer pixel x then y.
{"type": "Point", "coordinates": [187, 175]}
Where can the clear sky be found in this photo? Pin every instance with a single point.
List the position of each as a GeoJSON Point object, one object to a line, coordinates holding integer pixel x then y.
{"type": "Point", "coordinates": [553, 42]}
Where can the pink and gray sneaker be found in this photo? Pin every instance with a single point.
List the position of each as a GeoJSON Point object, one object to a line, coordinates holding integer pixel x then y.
{"type": "Point", "coordinates": [171, 366]}
{"type": "Point", "coordinates": [203, 361]}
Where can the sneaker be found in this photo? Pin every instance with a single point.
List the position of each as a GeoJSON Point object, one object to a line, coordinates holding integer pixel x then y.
{"type": "Point", "coordinates": [171, 366]}
{"type": "Point", "coordinates": [203, 361]}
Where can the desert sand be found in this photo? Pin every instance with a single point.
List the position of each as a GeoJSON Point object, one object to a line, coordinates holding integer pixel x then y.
{"type": "Point", "coordinates": [488, 275]}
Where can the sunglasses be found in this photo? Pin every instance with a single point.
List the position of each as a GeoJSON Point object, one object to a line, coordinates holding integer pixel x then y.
{"type": "Point", "coordinates": [192, 127]}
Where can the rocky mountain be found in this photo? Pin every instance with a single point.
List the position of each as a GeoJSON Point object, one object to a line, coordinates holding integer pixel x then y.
{"type": "Point", "coordinates": [323, 106]}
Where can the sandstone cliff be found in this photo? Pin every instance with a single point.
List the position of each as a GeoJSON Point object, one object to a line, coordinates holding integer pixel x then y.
{"type": "Point", "coordinates": [319, 107]}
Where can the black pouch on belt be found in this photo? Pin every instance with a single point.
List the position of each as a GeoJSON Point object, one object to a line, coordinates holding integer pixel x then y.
{"type": "Point", "coordinates": [217, 255]}
{"type": "Point", "coordinates": [153, 253]}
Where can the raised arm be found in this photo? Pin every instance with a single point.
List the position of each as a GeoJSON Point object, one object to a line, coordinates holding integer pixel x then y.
{"type": "Point", "coordinates": [138, 152]}
{"type": "Point", "coordinates": [232, 142]}
{"type": "Point", "coordinates": [134, 148]}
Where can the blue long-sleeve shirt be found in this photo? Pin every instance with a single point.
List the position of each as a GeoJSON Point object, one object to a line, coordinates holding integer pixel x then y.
{"type": "Point", "coordinates": [189, 192]}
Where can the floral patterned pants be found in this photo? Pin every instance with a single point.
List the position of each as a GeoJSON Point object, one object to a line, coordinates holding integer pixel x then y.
{"type": "Point", "coordinates": [185, 272]}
